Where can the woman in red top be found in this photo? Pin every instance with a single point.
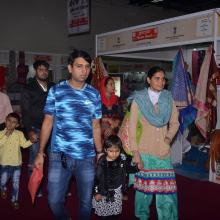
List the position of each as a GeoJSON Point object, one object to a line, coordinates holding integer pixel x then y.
{"type": "Point", "coordinates": [111, 109]}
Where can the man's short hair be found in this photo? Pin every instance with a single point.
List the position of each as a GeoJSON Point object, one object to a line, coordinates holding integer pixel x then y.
{"type": "Point", "coordinates": [77, 54]}
{"type": "Point", "coordinates": [38, 63]}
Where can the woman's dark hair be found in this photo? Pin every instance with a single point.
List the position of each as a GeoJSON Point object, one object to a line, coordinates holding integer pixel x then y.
{"type": "Point", "coordinates": [14, 115]}
{"type": "Point", "coordinates": [38, 63]}
{"type": "Point", "coordinates": [154, 70]}
{"type": "Point", "coordinates": [79, 53]}
{"type": "Point", "coordinates": [107, 79]}
{"type": "Point", "coordinates": [113, 140]}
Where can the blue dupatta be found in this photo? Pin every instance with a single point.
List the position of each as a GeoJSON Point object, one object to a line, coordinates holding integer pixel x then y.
{"type": "Point", "coordinates": [162, 116]}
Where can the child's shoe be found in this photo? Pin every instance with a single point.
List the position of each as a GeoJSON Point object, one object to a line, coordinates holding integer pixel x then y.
{"type": "Point", "coordinates": [15, 205]}
{"type": "Point", "coordinates": [3, 194]}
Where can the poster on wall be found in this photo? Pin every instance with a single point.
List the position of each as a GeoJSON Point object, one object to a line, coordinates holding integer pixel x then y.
{"type": "Point", "coordinates": [78, 16]}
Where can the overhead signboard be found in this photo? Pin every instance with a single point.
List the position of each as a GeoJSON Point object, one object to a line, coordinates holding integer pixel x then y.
{"type": "Point", "coordinates": [157, 34]}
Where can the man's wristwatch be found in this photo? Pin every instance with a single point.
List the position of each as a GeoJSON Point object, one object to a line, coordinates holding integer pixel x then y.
{"type": "Point", "coordinates": [99, 152]}
{"type": "Point", "coordinates": [42, 154]}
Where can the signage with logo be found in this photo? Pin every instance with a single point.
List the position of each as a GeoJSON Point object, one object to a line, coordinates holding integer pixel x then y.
{"type": "Point", "coordinates": [150, 33]}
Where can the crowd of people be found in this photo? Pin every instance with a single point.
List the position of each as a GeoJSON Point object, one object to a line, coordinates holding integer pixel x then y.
{"type": "Point", "coordinates": [77, 126]}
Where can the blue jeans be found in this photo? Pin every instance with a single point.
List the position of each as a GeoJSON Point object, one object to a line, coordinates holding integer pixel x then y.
{"type": "Point", "coordinates": [61, 169]}
{"type": "Point", "coordinates": [13, 172]}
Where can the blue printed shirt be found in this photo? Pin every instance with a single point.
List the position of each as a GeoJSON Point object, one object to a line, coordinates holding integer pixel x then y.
{"type": "Point", "coordinates": [73, 111]}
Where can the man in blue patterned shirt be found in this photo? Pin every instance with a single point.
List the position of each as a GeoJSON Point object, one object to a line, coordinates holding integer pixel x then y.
{"type": "Point", "coordinates": [72, 113]}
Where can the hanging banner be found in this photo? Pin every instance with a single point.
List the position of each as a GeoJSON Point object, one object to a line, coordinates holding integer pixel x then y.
{"type": "Point", "coordinates": [78, 15]}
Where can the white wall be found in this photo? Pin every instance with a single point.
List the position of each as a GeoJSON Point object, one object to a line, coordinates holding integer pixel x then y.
{"type": "Point", "coordinates": [40, 26]}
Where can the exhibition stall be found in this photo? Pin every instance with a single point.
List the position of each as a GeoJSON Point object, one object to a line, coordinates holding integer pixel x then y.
{"type": "Point", "coordinates": [161, 40]}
